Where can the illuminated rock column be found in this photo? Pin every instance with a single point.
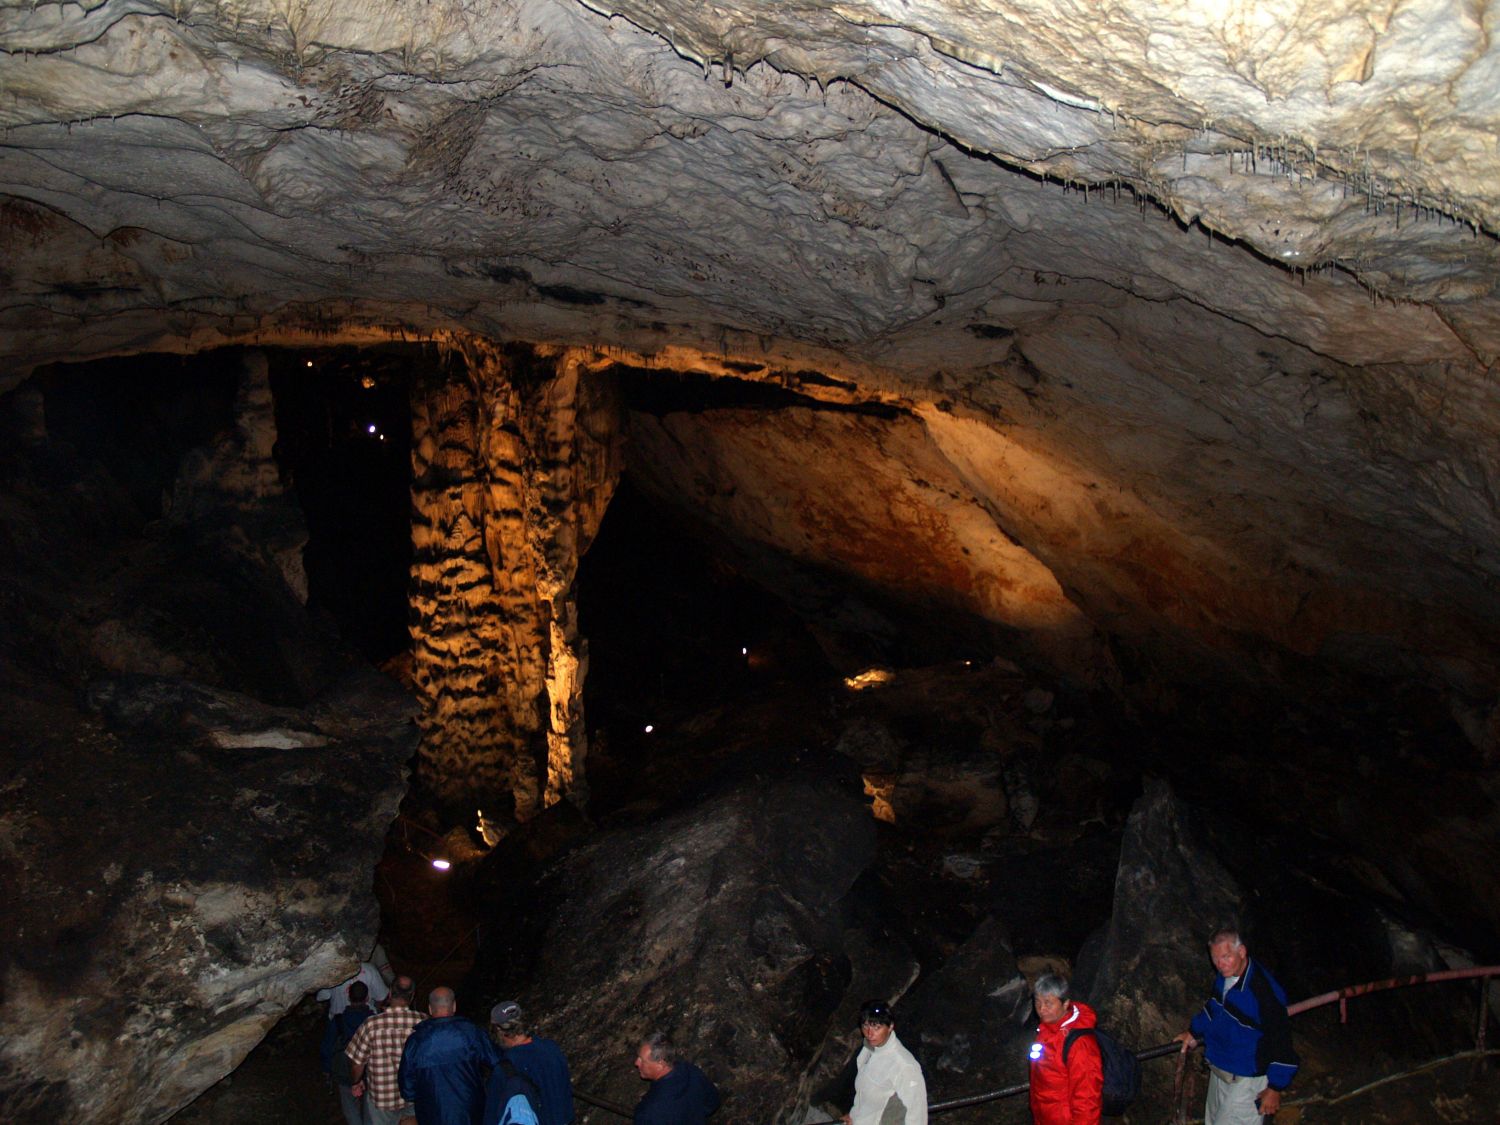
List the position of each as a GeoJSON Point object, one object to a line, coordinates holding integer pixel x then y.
{"type": "Point", "coordinates": [514, 459]}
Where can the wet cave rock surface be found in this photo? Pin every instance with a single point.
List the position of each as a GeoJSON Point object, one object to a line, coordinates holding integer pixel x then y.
{"type": "Point", "coordinates": [726, 922]}
{"type": "Point", "coordinates": [197, 773]}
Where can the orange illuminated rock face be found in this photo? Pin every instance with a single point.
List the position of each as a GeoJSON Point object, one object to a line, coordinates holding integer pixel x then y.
{"type": "Point", "coordinates": [866, 497]}
{"type": "Point", "coordinates": [514, 461]}
{"type": "Point", "coordinates": [1034, 530]}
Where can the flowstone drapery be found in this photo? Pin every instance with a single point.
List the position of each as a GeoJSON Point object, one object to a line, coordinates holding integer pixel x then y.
{"type": "Point", "coordinates": [514, 458]}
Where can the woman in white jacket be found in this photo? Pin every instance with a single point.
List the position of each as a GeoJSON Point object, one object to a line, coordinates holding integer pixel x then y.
{"type": "Point", "coordinates": [889, 1088]}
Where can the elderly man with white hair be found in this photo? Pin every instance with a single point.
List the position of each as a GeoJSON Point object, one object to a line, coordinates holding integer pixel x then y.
{"type": "Point", "coordinates": [1246, 1036]}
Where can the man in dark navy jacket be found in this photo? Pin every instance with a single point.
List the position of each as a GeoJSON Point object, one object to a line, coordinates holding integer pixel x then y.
{"type": "Point", "coordinates": [1246, 1037]}
{"type": "Point", "coordinates": [680, 1093]}
{"type": "Point", "coordinates": [539, 1059]}
{"type": "Point", "coordinates": [444, 1064]}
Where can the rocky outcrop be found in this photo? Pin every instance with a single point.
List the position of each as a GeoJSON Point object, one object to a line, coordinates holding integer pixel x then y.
{"type": "Point", "coordinates": [198, 783]}
{"type": "Point", "coordinates": [936, 762]}
{"type": "Point", "coordinates": [514, 461]}
{"type": "Point", "coordinates": [723, 923]}
{"type": "Point", "coordinates": [969, 1022]}
{"type": "Point", "coordinates": [1147, 971]}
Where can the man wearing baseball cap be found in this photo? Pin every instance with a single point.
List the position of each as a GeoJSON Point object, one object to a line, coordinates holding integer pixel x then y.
{"type": "Point", "coordinates": [539, 1059]}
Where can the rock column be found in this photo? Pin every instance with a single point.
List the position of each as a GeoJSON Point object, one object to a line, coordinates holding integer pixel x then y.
{"type": "Point", "coordinates": [515, 456]}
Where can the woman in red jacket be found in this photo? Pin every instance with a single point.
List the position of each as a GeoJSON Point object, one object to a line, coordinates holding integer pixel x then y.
{"type": "Point", "coordinates": [1067, 1080]}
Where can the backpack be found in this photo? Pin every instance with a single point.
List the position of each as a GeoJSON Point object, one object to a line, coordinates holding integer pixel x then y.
{"type": "Point", "coordinates": [520, 1095]}
{"type": "Point", "coordinates": [1122, 1070]}
{"type": "Point", "coordinates": [340, 1066]}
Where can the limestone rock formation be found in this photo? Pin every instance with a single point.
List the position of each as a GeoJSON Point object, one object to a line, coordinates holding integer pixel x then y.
{"type": "Point", "coordinates": [722, 922]}
{"type": "Point", "coordinates": [970, 1021]}
{"type": "Point", "coordinates": [1184, 871]}
{"type": "Point", "coordinates": [1146, 973]}
{"type": "Point", "coordinates": [1195, 305]}
{"type": "Point", "coordinates": [514, 464]}
{"type": "Point", "coordinates": [197, 781]}
{"type": "Point", "coordinates": [875, 502]}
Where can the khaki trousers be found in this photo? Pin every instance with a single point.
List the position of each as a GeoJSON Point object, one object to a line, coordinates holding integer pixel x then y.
{"type": "Point", "coordinates": [1231, 1099]}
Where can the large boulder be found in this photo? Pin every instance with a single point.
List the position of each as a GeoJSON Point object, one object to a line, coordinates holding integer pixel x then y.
{"type": "Point", "coordinates": [179, 896]}
{"type": "Point", "coordinates": [1147, 971]}
{"type": "Point", "coordinates": [724, 924]}
{"type": "Point", "coordinates": [970, 1020]}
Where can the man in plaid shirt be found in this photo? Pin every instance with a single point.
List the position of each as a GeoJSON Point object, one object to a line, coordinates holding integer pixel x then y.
{"type": "Point", "coordinates": [375, 1052]}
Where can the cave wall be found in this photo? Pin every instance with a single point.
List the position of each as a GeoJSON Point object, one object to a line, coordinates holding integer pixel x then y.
{"type": "Point", "coordinates": [198, 776]}
{"type": "Point", "coordinates": [867, 501]}
{"type": "Point", "coordinates": [1105, 550]}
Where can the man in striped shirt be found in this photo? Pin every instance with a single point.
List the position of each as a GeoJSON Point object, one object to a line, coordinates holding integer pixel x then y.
{"type": "Point", "coordinates": [375, 1052]}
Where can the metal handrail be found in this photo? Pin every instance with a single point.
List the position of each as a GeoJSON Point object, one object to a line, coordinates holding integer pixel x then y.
{"type": "Point", "coordinates": [1342, 996]}
{"type": "Point", "coordinates": [602, 1104]}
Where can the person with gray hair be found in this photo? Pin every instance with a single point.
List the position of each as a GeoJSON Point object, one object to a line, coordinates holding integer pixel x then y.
{"type": "Point", "coordinates": [444, 1064]}
{"type": "Point", "coordinates": [680, 1093]}
{"type": "Point", "coordinates": [1067, 1070]}
{"type": "Point", "coordinates": [1246, 1036]}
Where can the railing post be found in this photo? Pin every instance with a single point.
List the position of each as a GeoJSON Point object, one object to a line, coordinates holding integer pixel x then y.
{"type": "Point", "coordinates": [1484, 1012]}
{"type": "Point", "coordinates": [1180, 1090]}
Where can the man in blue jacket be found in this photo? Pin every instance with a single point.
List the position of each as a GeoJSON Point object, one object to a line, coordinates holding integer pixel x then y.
{"type": "Point", "coordinates": [680, 1093]}
{"type": "Point", "coordinates": [1246, 1036]}
{"type": "Point", "coordinates": [444, 1064]}
{"type": "Point", "coordinates": [539, 1059]}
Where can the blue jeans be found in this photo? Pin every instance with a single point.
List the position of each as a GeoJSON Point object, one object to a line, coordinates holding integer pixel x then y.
{"type": "Point", "coordinates": [353, 1107]}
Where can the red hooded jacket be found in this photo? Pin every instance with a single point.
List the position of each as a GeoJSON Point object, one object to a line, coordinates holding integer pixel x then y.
{"type": "Point", "coordinates": [1068, 1094]}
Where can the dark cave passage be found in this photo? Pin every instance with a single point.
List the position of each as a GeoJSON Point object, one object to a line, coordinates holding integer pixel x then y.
{"type": "Point", "coordinates": [674, 634]}
{"type": "Point", "coordinates": [137, 416]}
{"type": "Point", "coordinates": [343, 424]}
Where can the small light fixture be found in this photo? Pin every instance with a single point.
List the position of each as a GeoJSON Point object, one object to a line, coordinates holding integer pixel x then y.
{"type": "Point", "coordinates": [441, 864]}
{"type": "Point", "coordinates": [744, 652]}
{"type": "Point", "coordinates": [372, 427]}
{"type": "Point", "coordinates": [309, 363]}
{"type": "Point", "coordinates": [649, 728]}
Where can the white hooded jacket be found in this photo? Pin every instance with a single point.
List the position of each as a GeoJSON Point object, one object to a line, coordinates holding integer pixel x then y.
{"type": "Point", "coordinates": [888, 1072]}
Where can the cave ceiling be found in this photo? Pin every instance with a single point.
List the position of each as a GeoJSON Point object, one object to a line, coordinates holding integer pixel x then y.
{"type": "Point", "coordinates": [1196, 297]}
